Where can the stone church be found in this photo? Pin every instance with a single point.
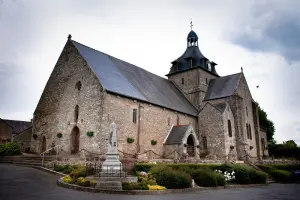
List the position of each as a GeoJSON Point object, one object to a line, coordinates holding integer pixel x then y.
{"type": "Point", "coordinates": [194, 112]}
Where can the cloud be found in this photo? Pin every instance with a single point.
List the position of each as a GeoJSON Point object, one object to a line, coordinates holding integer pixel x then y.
{"type": "Point", "coordinates": [272, 27]}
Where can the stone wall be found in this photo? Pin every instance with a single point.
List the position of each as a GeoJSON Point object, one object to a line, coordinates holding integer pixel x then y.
{"type": "Point", "coordinates": [195, 84]}
{"type": "Point", "coordinates": [55, 112]}
{"type": "Point", "coordinates": [24, 139]}
{"type": "Point", "coordinates": [211, 125]}
{"type": "Point", "coordinates": [153, 123]}
{"type": "Point", "coordinates": [5, 132]}
{"type": "Point", "coordinates": [264, 148]}
{"type": "Point", "coordinates": [230, 142]}
{"type": "Point", "coordinates": [246, 117]}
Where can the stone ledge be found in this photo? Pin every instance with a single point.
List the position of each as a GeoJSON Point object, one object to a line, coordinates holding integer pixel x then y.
{"type": "Point", "coordinates": [150, 192]}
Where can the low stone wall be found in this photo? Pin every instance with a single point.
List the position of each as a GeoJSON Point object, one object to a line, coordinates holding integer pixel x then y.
{"type": "Point", "coordinates": [277, 161]}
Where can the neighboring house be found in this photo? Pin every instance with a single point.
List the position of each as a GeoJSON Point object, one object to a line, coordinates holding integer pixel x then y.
{"type": "Point", "coordinates": [194, 111]}
{"type": "Point", "coordinates": [5, 132]}
{"type": "Point", "coordinates": [24, 139]}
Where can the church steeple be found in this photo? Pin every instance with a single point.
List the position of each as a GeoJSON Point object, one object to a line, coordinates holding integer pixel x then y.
{"type": "Point", "coordinates": [192, 57]}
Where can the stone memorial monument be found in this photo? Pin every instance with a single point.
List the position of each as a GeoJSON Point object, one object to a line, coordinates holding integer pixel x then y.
{"type": "Point", "coordinates": [112, 164]}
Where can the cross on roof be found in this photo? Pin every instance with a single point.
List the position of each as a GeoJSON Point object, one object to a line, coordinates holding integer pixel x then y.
{"type": "Point", "coordinates": [191, 24]}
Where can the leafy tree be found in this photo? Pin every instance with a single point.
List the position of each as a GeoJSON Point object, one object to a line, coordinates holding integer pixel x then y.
{"type": "Point", "coordinates": [290, 143]}
{"type": "Point", "coordinates": [268, 124]}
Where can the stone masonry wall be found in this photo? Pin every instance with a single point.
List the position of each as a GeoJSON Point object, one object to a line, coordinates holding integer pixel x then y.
{"type": "Point", "coordinates": [154, 124]}
{"type": "Point", "coordinates": [229, 141]}
{"type": "Point", "coordinates": [211, 125]}
{"type": "Point", "coordinates": [264, 149]}
{"type": "Point", "coordinates": [55, 112]}
{"type": "Point", "coordinates": [24, 139]}
{"type": "Point", "coordinates": [5, 132]}
{"type": "Point", "coordinates": [195, 84]}
{"type": "Point", "coordinates": [247, 116]}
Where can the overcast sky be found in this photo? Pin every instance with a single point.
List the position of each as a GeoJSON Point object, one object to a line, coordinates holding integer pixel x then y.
{"type": "Point", "coordinates": [261, 36]}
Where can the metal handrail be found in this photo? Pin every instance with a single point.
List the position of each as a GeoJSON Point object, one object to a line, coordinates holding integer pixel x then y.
{"type": "Point", "coordinates": [43, 153]}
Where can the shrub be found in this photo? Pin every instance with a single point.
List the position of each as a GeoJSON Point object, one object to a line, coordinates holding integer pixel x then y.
{"type": "Point", "coordinates": [68, 179]}
{"type": "Point", "coordinates": [10, 149]}
{"type": "Point", "coordinates": [59, 168]}
{"type": "Point", "coordinates": [242, 176]}
{"type": "Point", "coordinates": [82, 181]}
{"type": "Point", "coordinates": [220, 180]}
{"type": "Point", "coordinates": [258, 177]}
{"type": "Point", "coordinates": [171, 179]}
{"type": "Point", "coordinates": [280, 175]}
{"type": "Point", "coordinates": [134, 186]}
{"type": "Point", "coordinates": [93, 183]}
{"type": "Point", "coordinates": [208, 178]}
{"type": "Point", "coordinates": [78, 172]}
{"type": "Point", "coordinates": [2, 149]}
{"type": "Point", "coordinates": [148, 178]}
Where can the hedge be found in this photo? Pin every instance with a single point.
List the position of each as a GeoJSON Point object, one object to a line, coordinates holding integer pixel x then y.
{"type": "Point", "coordinates": [286, 167]}
{"type": "Point", "coordinates": [243, 174]}
{"type": "Point", "coordinates": [208, 178]}
{"type": "Point", "coordinates": [10, 149]}
{"type": "Point", "coordinates": [170, 178]}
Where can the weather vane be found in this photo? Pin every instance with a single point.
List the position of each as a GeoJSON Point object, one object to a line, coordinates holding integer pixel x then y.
{"type": "Point", "coordinates": [191, 24]}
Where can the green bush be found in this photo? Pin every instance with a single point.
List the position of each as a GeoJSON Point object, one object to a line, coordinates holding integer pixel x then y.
{"type": "Point", "coordinates": [242, 175]}
{"type": "Point", "coordinates": [134, 186]}
{"type": "Point", "coordinates": [59, 168]}
{"type": "Point", "coordinates": [10, 149]}
{"type": "Point", "coordinates": [208, 178]}
{"type": "Point", "coordinates": [2, 149]}
{"type": "Point", "coordinates": [280, 175]}
{"type": "Point", "coordinates": [220, 179]}
{"type": "Point", "coordinates": [66, 169]}
{"type": "Point", "coordinates": [78, 172]}
{"type": "Point", "coordinates": [258, 177]}
{"type": "Point", "coordinates": [171, 179]}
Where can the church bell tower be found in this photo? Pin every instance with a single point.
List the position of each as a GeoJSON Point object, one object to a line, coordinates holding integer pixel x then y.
{"type": "Point", "coordinates": [192, 71]}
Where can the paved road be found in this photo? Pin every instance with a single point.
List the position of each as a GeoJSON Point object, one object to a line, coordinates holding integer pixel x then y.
{"type": "Point", "coordinates": [22, 183]}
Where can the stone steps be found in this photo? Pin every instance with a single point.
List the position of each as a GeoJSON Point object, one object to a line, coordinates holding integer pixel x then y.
{"type": "Point", "coordinates": [27, 160]}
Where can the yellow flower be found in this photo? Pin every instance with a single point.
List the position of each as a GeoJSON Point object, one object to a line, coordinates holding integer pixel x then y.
{"type": "Point", "coordinates": [67, 179]}
{"type": "Point", "coordinates": [156, 187]}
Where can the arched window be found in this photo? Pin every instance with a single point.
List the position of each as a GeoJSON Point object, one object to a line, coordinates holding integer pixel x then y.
{"type": "Point", "coordinates": [229, 128]}
{"type": "Point", "coordinates": [78, 85]}
{"type": "Point", "coordinates": [76, 113]}
{"type": "Point", "coordinates": [204, 140]}
{"type": "Point", "coordinates": [182, 81]}
{"type": "Point", "coordinates": [178, 120]}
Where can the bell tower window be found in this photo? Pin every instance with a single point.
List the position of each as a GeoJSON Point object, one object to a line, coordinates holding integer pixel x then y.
{"type": "Point", "coordinates": [182, 81]}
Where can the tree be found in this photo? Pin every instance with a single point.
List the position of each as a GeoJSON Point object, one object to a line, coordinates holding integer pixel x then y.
{"type": "Point", "coordinates": [268, 124]}
{"type": "Point", "coordinates": [290, 143]}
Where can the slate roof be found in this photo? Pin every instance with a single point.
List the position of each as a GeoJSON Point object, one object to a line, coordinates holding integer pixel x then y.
{"type": "Point", "coordinates": [128, 80]}
{"type": "Point", "coordinates": [176, 135]}
{"type": "Point", "coordinates": [18, 126]}
{"type": "Point", "coordinates": [222, 87]}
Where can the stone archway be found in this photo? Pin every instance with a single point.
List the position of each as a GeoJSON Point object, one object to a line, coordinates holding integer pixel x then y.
{"type": "Point", "coordinates": [75, 137]}
{"type": "Point", "coordinates": [44, 144]}
{"type": "Point", "coordinates": [190, 146]}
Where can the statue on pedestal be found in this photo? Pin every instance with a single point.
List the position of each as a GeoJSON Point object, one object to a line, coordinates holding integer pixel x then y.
{"type": "Point", "coordinates": [112, 162]}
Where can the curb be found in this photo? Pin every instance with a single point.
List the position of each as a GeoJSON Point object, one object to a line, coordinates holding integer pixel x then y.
{"type": "Point", "coordinates": [49, 171]}
{"type": "Point", "coordinates": [148, 192]}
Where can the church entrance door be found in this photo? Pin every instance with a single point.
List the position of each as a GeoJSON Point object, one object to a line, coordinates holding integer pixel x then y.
{"type": "Point", "coordinates": [44, 144]}
{"type": "Point", "coordinates": [190, 146]}
{"type": "Point", "coordinates": [75, 136]}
